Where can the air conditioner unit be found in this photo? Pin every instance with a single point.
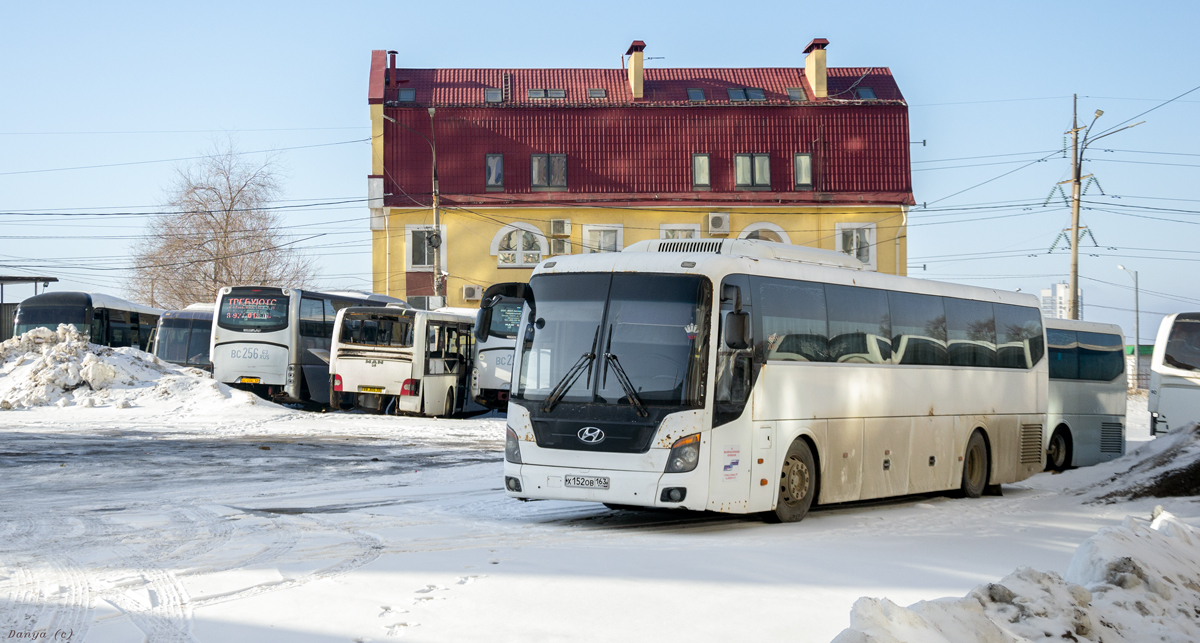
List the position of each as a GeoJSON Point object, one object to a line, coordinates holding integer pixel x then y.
{"type": "Point", "coordinates": [718, 224]}
{"type": "Point", "coordinates": [560, 228]}
{"type": "Point", "coordinates": [560, 246]}
{"type": "Point", "coordinates": [471, 292]}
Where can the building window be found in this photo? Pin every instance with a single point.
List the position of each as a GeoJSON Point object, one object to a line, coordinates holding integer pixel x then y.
{"type": "Point", "coordinates": [597, 93]}
{"type": "Point", "coordinates": [700, 173]}
{"type": "Point", "coordinates": [802, 167]}
{"type": "Point", "coordinates": [556, 93]}
{"type": "Point", "coordinates": [537, 93]}
{"type": "Point", "coordinates": [493, 171]}
{"type": "Point", "coordinates": [603, 238]}
{"type": "Point", "coordinates": [737, 95]}
{"type": "Point", "coordinates": [492, 95]}
{"type": "Point", "coordinates": [518, 249]}
{"type": "Point", "coordinates": [765, 231]}
{"type": "Point", "coordinates": [696, 95]}
{"type": "Point", "coordinates": [796, 94]}
{"type": "Point", "coordinates": [865, 93]}
{"type": "Point", "coordinates": [418, 254]}
{"type": "Point", "coordinates": [548, 171]}
{"type": "Point", "coordinates": [753, 171]}
{"type": "Point", "coordinates": [406, 95]}
{"type": "Point", "coordinates": [858, 241]}
{"type": "Point", "coordinates": [755, 93]}
{"type": "Point", "coordinates": [679, 231]}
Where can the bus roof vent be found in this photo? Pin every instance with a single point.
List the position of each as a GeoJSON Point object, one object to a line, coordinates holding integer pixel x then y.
{"type": "Point", "coordinates": [689, 246]}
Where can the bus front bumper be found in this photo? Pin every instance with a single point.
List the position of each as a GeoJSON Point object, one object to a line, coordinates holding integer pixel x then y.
{"type": "Point", "coordinates": [635, 488]}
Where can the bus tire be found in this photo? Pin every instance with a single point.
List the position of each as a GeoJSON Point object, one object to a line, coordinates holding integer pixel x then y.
{"type": "Point", "coordinates": [797, 485]}
{"type": "Point", "coordinates": [1058, 453]}
{"type": "Point", "coordinates": [449, 410]}
{"type": "Point", "coordinates": [975, 467]}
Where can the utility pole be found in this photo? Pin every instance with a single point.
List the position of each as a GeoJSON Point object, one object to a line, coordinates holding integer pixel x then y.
{"type": "Point", "coordinates": [437, 217]}
{"type": "Point", "coordinates": [1137, 330]}
{"type": "Point", "coordinates": [1073, 306]}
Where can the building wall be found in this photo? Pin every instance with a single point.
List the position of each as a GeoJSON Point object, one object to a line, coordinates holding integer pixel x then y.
{"type": "Point", "coordinates": [469, 236]}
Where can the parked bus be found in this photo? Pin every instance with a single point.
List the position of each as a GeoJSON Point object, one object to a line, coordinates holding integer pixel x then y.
{"type": "Point", "coordinates": [183, 336]}
{"type": "Point", "coordinates": [495, 335]}
{"type": "Point", "coordinates": [375, 350]}
{"type": "Point", "coordinates": [746, 376]}
{"type": "Point", "coordinates": [275, 341]}
{"type": "Point", "coordinates": [106, 320]}
{"type": "Point", "coordinates": [1175, 374]}
{"type": "Point", "coordinates": [1087, 393]}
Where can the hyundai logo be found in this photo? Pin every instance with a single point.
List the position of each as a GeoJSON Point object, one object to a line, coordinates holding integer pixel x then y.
{"type": "Point", "coordinates": [590, 435]}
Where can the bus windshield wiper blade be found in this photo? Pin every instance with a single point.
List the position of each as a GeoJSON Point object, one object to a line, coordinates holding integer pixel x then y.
{"type": "Point", "coordinates": [568, 380]}
{"type": "Point", "coordinates": [623, 379]}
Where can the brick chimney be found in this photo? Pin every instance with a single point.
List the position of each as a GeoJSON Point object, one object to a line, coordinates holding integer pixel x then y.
{"type": "Point", "coordinates": [814, 67]}
{"type": "Point", "coordinates": [635, 68]}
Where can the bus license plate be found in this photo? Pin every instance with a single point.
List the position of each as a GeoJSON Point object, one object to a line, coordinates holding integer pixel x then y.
{"type": "Point", "coordinates": [371, 389]}
{"type": "Point", "coordinates": [585, 482]}
{"type": "Point", "coordinates": [249, 380]}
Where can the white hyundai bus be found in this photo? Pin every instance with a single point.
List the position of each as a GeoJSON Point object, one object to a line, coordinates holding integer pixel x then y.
{"type": "Point", "coordinates": [495, 336]}
{"type": "Point", "coordinates": [1175, 373]}
{"type": "Point", "coordinates": [1087, 393]}
{"type": "Point", "coordinates": [747, 376]}
{"type": "Point", "coordinates": [275, 341]}
{"type": "Point", "coordinates": [400, 360]}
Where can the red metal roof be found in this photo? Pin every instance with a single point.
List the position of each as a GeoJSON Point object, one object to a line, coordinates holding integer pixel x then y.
{"type": "Point", "coordinates": [661, 86]}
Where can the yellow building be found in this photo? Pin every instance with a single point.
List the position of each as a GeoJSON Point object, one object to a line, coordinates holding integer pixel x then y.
{"type": "Point", "coordinates": [522, 164]}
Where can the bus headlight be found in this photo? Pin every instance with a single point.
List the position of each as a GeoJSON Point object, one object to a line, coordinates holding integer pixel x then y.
{"type": "Point", "coordinates": [685, 454]}
{"type": "Point", "coordinates": [512, 448]}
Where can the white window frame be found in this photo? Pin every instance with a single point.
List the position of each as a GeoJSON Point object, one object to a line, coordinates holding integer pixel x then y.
{"type": "Point", "coordinates": [872, 239]}
{"type": "Point", "coordinates": [663, 227]}
{"type": "Point", "coordinates": [543, 245]}
{"type": "Point", "coordinates": [764, 225]}
{"type": "Point", "coordinates": [408, 264]}
{"type": "Point", "coordinates": [602, 226]}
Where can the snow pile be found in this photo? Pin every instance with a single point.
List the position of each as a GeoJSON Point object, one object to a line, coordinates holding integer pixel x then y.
{"type": "Point", "coordinates": [1136, 582]}
{"type": "Point", "coordinates": [44, 367]}
{"type": "Point", "coordinates": [1168, 466]}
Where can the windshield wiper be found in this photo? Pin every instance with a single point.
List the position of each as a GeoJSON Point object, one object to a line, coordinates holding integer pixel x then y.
{"type": "Point", "coordinates": [623, 379]}
{"type": "Point", "coordinates": [568, 380]}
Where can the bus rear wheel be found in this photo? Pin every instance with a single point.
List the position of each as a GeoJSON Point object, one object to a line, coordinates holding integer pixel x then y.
{"type": "Point", "coordinates": [1058, 454]}
{"type": "Point", "coordinates": [975, 467]}
{"type": "Point", "coordinates": [449, 410]}
{"type": "Point", "coordinates": [797, 485]}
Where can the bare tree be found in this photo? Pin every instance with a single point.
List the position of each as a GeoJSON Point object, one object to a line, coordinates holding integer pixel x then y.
{"type": "Point", "coordinates": [220, 231]}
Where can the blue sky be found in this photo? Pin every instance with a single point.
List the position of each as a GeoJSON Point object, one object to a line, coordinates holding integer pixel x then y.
{"type": "Point", "coordinates": [982, 81]}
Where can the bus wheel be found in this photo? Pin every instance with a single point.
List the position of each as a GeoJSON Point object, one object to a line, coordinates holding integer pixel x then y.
{"type": "Point", "coordinates": [1058, 454]}
{"type": "Point", "coordinates": [797, 485]}
{"type": "Point", "coordinates": [449, 404]}
{"type": "Point", "coordinates": [975, 467]}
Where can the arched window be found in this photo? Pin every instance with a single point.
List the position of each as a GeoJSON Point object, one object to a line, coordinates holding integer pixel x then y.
{"type": "Point", "coordinates": [764, 231]}
{"type": "Point", "coordinates": [519, 245]}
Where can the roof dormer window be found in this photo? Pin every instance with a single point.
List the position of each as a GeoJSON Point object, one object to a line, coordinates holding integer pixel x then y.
{"type": "Point", "coordinates": [493, 95]}
{"type": "Point", "coordinates": [696, 95]}
{"type": "Point", "coordinates": [537, 93]}
{"type": "Point", "coordinates": [406, 95]}
{"type": "Point", "coordinates": [755, 93]}
{"type": "Point", "coordinates": [597, 93]}
{"type": "Point", "coordinates": [796, 94]}
{"type": "Point", "coordinates": [556, 93]}
{"type": "Point", "coordinates": [737, 95]}
{"type": "Point", "coordinates": [865, 93]}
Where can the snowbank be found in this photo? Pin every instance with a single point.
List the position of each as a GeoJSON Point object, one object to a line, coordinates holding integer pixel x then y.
{"type": "Point", "coordinates": [44, 367]}
{"type": "Point", "coordinates": [1136, 582]}
{"type": "Point", "coordinates": [1168, 466]}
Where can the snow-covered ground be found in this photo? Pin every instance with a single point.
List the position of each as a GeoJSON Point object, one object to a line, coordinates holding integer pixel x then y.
{"type": "Point", "coordinates": [201, 514]}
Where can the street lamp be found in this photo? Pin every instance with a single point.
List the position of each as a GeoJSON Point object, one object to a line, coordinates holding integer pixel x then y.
{"type": "Point", "coordinates": [1137, 331]}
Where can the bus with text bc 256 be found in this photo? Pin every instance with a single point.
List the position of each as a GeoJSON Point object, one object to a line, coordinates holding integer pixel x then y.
{"type": "Point", "coordinates": [275, 341]}
{"type": "Point", "coordinates": [1175, 373]}
{"type": "Point", "coordinates": [746, 376]}
{"type": "Point", "coordinates": [400, 360]}
{"type": "Point", "coordinates": [495, 335]}
{"type": "Point", "coordinates": [1085, 419]}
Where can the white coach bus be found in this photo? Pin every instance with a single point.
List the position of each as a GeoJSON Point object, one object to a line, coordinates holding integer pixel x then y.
{"type": "Point", "coordinates": [275, 341]}
{"type": "Point", "coordinates": [1085, 418]}
{"type": "Point", "coordinates": [495, 336]}
{"type": "Point", "coordinates": [747, 376]}
{"type": "Point", "coordinates": [1175, 373]}
{"type": "Point", "coordinates": [400, 360]}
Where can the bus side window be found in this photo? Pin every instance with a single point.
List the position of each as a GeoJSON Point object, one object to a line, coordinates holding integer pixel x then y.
{"type": "Point", "coordinates": [330, 318]}
{"type": "Point", "coordinates": [98, 328]}
{"type": "Point", "coordinates": [118, 328]}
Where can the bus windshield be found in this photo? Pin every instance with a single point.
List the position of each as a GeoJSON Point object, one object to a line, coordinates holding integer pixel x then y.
{"type": "Point", "coordinates": [184, 341]}
{"type": "Point", "coordinates": [594, 330]}
{"type": "Point", "coordinates": [1183, 345]}
{"type": "Point", "coordinates": [375, 329]}
{"type": "Point", "coordinates": [254, 310]}
{"type": "Point", "coordinates": [31, 317]}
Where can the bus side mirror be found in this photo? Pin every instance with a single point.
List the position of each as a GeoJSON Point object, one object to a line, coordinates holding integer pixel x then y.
{"type": "Point", "coordinates": [737, 330]}
{"type": "Point", "coordinates": [484, 323]}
